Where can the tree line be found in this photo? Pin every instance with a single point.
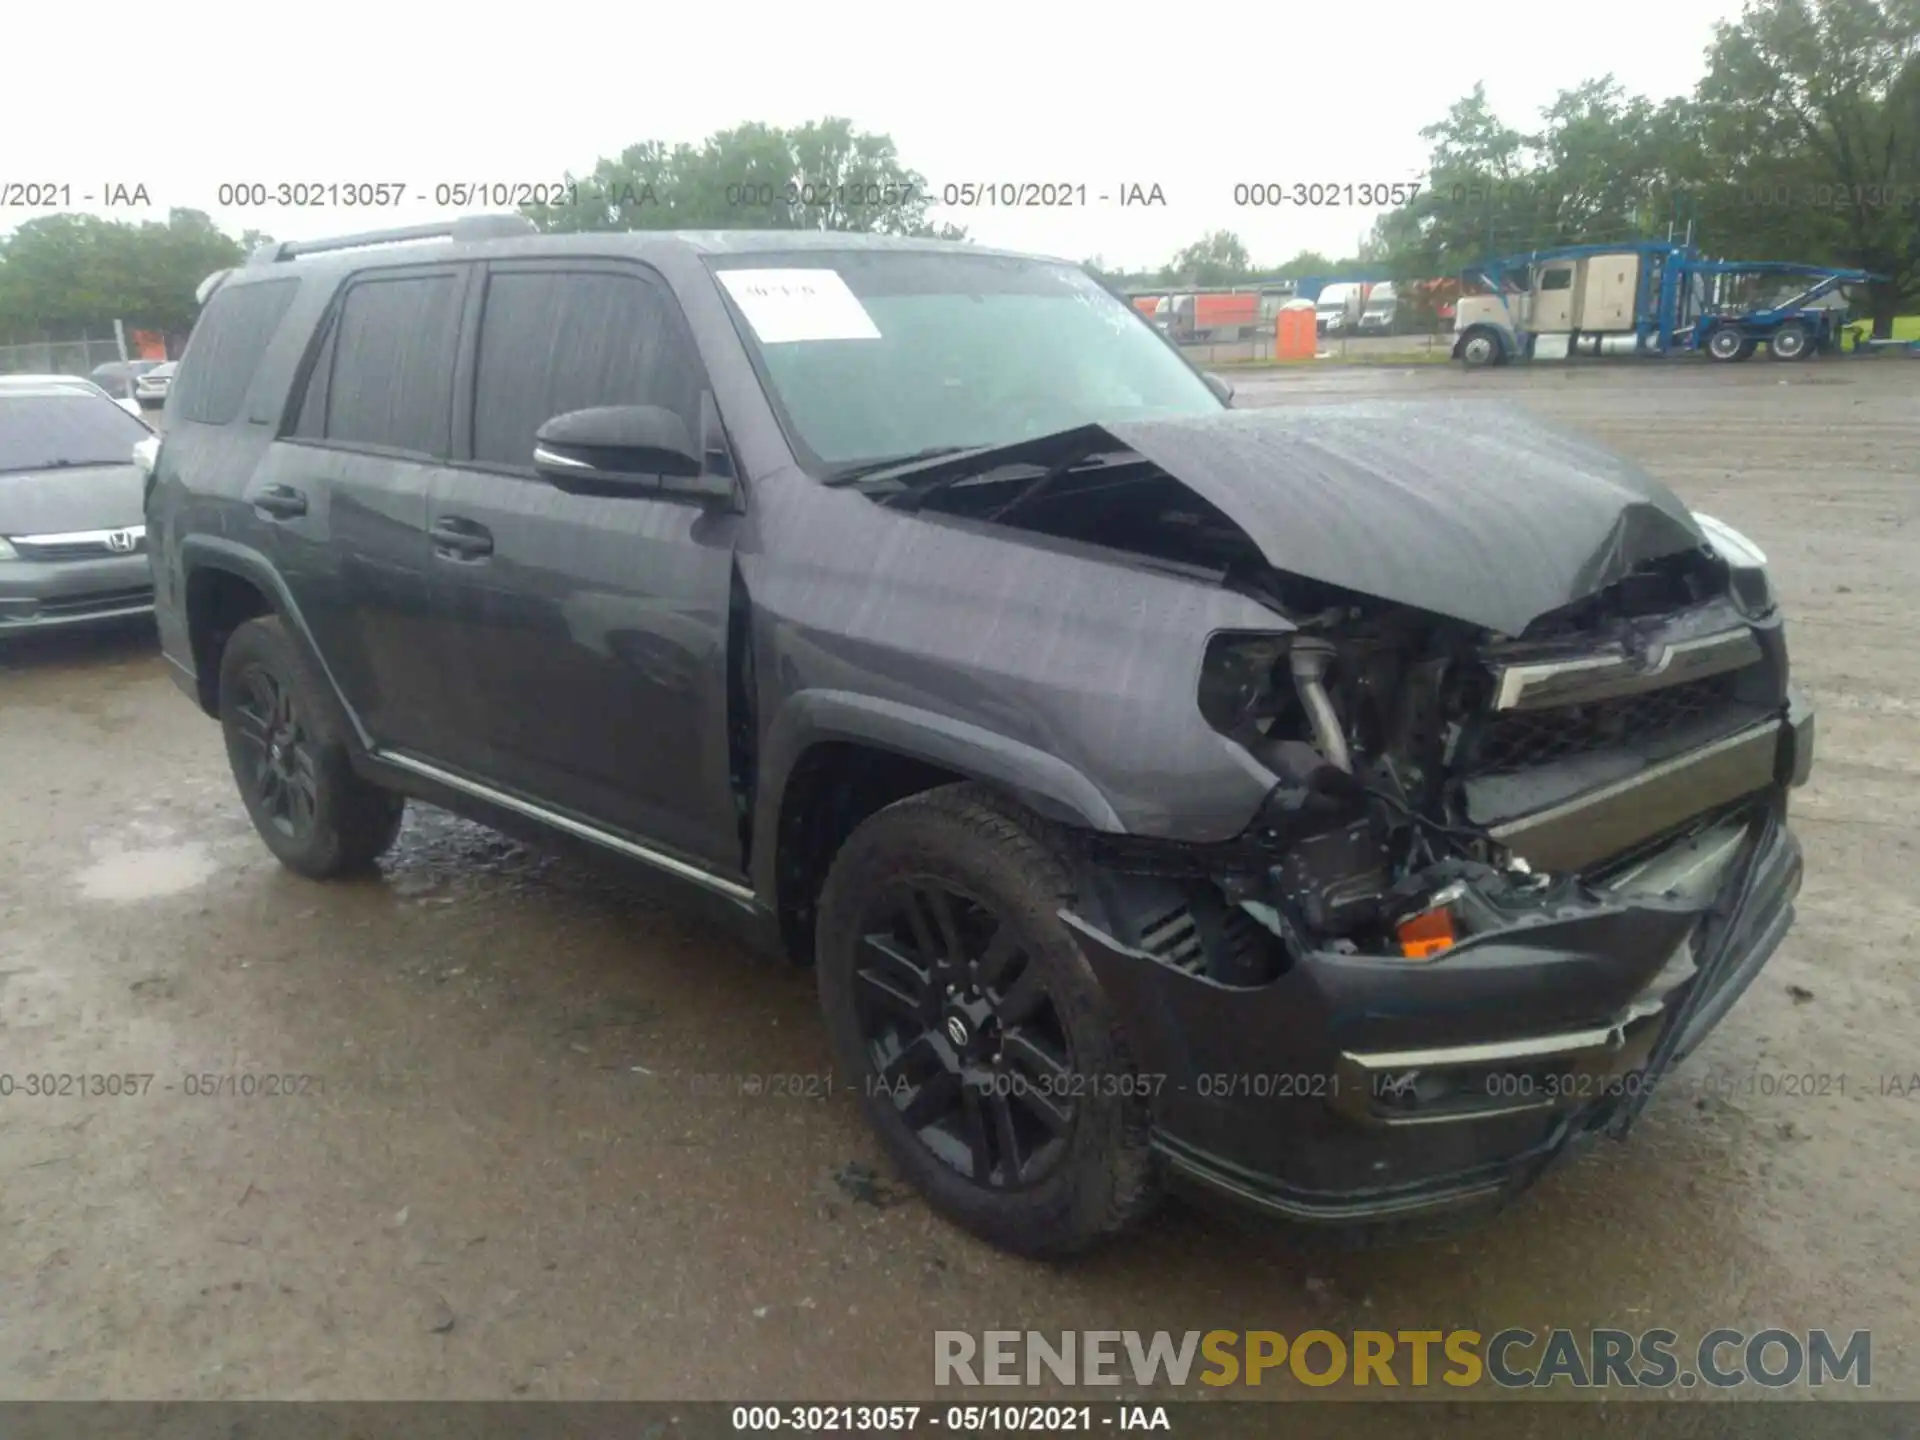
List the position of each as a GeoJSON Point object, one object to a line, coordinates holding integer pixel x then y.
{"type": "Point", "coordinates": [1801, 141]}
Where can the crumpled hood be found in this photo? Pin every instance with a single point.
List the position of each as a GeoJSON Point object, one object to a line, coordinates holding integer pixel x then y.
{"type": "Point", "coordinates": [1471, 510]}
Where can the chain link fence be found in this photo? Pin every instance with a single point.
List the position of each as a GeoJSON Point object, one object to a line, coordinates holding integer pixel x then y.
{"type": "Point", "coordinates": [58, 357]}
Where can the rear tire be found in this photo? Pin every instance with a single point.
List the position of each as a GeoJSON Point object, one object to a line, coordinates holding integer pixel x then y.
{"type": "Point", "coordinates": [289, 757]}
{"type": "Point", "coordinates": [960, 1006]}
{"type": "Point", "coordinates": [1792, 341]}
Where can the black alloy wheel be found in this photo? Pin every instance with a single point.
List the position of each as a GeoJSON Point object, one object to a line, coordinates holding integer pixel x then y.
{"type": "Point", "coordinates": [962, 1036]}
{"type": "Point", "coordinates": [285, 772]}
{"type": "Point", "coordinates": [289, 755]}
{"type": "Point", "coordinates": [964, 1012]}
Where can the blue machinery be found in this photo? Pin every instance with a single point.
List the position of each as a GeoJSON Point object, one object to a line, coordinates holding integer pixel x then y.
{"type": "Point", "coordinates": [1682, 302]}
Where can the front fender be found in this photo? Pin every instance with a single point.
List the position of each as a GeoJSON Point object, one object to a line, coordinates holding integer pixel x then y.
{"type": "Point", "coordinates": [1045, 783]}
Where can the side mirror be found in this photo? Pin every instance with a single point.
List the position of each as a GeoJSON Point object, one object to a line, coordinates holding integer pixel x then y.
{"type": "Point", "coordinates": [624, 450]}
{"type": "Point", "coordinates": [1220, 386]}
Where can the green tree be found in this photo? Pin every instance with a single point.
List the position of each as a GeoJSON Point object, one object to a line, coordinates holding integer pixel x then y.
{"type": "Point", "coordinates": [1813, 110]}
{"type": "Point", "coordinates": [1217, 259]}
{"type": "Point", "coordinates": [68, 273]}
{"type": "Point", "coordinates": [824, 175]}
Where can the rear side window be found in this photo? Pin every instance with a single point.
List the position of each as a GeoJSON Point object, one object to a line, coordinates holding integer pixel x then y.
{"type": "Point", "coordinates": [552, 341]}
{"type": "Point", "coordinates": [225, 349]}
{"type": "Point", "coordinates": [384, 375]}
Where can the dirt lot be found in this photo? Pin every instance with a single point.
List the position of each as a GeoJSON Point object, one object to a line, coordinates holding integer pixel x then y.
{"type": "Point", "coordinates": [505, 1177]}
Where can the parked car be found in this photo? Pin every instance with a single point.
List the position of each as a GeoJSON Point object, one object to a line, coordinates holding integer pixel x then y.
{"type": "Point", "coordinates": [1287, 801]}
{"type": "Point", "coordinates": [150, 389]}
{"type": "Point", "coordinates": [71, 382]}
{"type": "Point", "coordinates": [72, 538]}
{"type": "Point", "coordinates": [116, 377]}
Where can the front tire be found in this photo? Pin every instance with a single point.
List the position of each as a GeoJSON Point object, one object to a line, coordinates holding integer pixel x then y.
{"type": "Point", "coordinates": [959, 1004]}
{"type": "Point", "coordinates": [1479, 350]}
{"type": "Point", "coordinates": [289, 758]}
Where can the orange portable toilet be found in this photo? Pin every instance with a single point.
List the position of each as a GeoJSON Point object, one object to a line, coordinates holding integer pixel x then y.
{"type": "Point", "coordinates": [1295, 334]}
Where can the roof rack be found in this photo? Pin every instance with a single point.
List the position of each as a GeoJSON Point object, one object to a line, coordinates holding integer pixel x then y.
{"type": "Point", "coordinates": [467, 227]}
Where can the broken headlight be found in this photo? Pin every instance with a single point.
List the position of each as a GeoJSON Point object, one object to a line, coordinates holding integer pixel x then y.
{"type": "Point", "coordinates": [1746, 565]}
{"type": "Point", "coordinates": [1237, 680]}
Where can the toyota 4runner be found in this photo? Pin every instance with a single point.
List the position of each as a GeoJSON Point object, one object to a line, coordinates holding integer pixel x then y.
{"type": "Point", "coordinates": [1347, 808]}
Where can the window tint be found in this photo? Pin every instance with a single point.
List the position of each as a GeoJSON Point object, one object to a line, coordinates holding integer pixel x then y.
{"type": "Point", "coordinates": [225, 349]}
{"type": "Point", "coordinates": [385, 372]}
{"type": "Point", "coordinates": [553, 341]}
{"type": "Point", "coordinates": [1556, 280]}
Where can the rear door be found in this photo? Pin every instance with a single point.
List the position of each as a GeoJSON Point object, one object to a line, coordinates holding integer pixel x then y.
{"type": "Point", "coordinates": [586, 634]}
{"type": "Point", "coordinates": [347, 490]}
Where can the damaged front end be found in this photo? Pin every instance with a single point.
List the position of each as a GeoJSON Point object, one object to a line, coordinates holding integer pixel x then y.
{"type": "Point", "coordinates": [1502, 884]}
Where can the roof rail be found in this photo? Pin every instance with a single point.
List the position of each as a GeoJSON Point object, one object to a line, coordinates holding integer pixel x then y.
{"type": "Point", "coordinates": [467, 227]}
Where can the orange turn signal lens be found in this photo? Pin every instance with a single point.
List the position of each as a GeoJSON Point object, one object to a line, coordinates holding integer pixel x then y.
{"type": "Point", "coordinates": [1426, 934]}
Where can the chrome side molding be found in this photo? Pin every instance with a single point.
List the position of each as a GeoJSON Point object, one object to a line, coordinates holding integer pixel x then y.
{"type": "Point", "coordinates": [580, 829]}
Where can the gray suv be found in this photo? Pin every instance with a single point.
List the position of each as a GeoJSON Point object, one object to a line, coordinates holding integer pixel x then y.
{"type": "Point", "coordinates": [1346, 809]}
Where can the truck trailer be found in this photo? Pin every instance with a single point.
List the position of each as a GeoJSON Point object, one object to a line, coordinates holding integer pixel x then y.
{"type": "Point", "coordinates": [1648, 298]}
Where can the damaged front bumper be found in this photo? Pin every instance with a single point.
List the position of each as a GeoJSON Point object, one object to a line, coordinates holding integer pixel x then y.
{"type": "Point", "coordinates": [1364, 1088]}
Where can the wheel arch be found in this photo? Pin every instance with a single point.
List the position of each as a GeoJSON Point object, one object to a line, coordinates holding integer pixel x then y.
{"type": "Point", "coordinates": [833, 758]}
{"type": "Point", "coordinates": [227, 584]}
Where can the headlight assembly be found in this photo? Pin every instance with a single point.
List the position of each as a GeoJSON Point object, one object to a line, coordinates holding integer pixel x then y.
{"type": "Point", "coordinates": [7, 552]}
{"type": "Point", "coordinates": [1237, 680]}
{"type": "Point", "coordinates": [1746, 564]}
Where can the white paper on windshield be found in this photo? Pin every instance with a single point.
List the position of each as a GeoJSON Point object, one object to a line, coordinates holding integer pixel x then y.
{"type": "Point", "coordinates": [787, 305]}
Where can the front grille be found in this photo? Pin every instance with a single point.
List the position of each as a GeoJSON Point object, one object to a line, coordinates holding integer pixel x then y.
{"type": "Point", "coordinates": [1523, 739]}
{"type": "Point", "coordinates": [74, 549]}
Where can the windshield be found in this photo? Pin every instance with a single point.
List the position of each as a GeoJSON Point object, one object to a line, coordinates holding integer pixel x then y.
{"type": "Point", "coordinates": [45, 432]}
{"type": "Point", "coordinates": [876, 354]}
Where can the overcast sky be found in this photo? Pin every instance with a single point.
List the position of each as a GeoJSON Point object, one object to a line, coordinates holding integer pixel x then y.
{"type": "Point", "coordinates": [1194, 99]}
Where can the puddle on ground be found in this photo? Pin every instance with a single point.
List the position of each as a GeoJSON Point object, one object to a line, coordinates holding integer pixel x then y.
{"type": "Point", "coordinates": [146, 874]}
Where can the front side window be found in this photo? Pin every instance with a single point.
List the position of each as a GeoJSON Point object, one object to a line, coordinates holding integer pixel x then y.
{"type": "Point", "coordinates": [554, 341]}
{"type": "Point", "coordinates": [56, 432]}
{"type": "Point", "coordinates": [874, 354]}
{"type": "Point", "coordinates": [384, 376]}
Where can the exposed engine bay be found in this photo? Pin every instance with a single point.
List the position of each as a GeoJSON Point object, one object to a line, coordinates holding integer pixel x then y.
{"type": "Point", "coordinates": [1435, 778]}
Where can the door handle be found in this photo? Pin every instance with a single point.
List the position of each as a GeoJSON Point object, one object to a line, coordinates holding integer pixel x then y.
{"type": "Point", "coordinates": [282, 502]}
{"type": "Point", "coordinates": [460, 538]}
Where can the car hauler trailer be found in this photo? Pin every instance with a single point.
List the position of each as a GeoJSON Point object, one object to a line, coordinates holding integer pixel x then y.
{"type": "Point", "coordinates": [1647, 298]}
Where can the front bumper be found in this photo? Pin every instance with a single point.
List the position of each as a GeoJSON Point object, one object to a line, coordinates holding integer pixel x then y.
{"type": "Point", "coordinates": [1359, 1088]}
{"type": "Point", "coordinates": [47, 595]}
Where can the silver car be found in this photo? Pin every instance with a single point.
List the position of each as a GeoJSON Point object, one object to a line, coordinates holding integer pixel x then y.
{"type": "Point", "coordinates": [73, 538]}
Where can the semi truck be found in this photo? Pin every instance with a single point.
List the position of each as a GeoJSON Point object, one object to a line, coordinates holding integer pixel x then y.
{"type": "Point", "coordinates": [1649, 298]}
{"type": "Point", "coordinates": [1380, 310]}
{"type": "Point", "coordinates": [1338, 309]}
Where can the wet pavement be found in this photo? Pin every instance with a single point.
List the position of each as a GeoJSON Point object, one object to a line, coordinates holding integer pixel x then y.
{"type": "Point", "coordinates": [493, 1124]}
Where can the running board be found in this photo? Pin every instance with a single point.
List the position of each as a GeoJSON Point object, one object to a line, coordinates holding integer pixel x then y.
{"type": "Point", "coordinates": [580, 829]}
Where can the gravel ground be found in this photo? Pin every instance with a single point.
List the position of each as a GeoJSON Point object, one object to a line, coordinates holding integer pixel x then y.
{"type": "Point", "coordinates": [503, 1176]}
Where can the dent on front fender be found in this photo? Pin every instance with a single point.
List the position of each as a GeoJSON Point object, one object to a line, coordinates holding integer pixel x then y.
{"type": "Point", "coordinates": [1064, 672]}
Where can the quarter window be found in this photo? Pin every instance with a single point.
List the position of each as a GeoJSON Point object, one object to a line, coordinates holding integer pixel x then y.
{"type": "Point", "coordinates": [225, 349]}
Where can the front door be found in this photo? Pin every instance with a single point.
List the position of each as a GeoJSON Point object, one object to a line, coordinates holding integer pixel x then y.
{"type": "Point", "coordinates": [587, 635]}
{"type": "Point", "coordinates": [1553, 300]}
